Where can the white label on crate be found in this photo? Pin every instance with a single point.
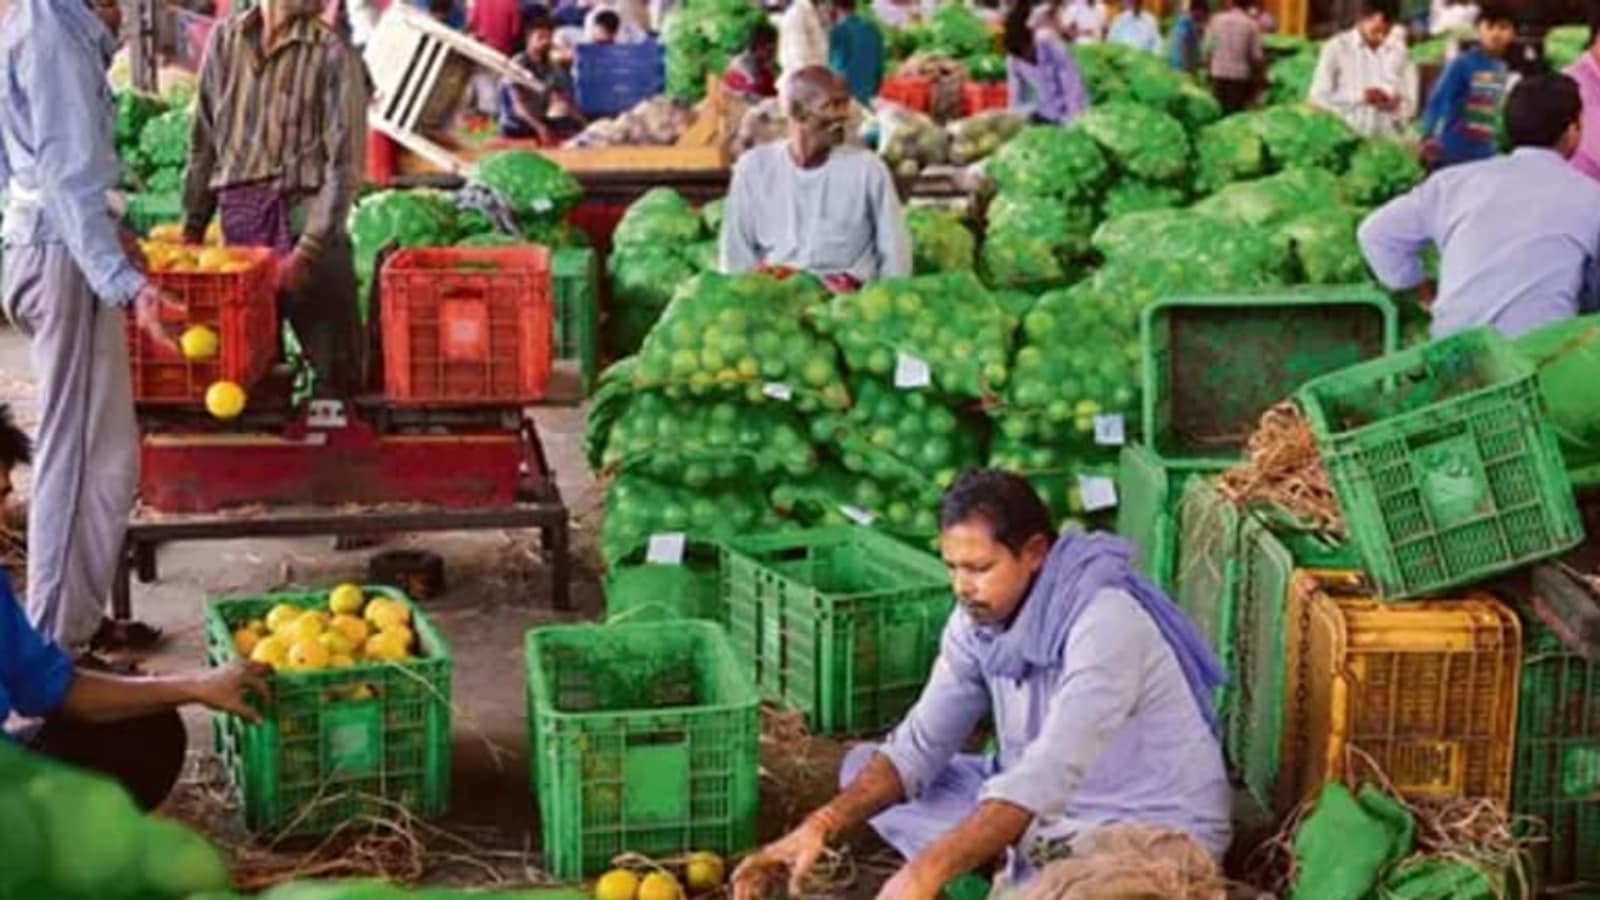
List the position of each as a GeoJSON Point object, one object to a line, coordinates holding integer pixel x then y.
{"type": "Point", "coordinates": [858, 515]}
{"type": "Point", "coordinates": [777, 390]}
{"type": "Point", "coordinates": [1098, 492]}
{"type": "Point", "coordinates": [911, 373]}
{"type": "Point", "coordinates": [665, 549]}
{"type": "Point", "coordinates": [1110, 431]}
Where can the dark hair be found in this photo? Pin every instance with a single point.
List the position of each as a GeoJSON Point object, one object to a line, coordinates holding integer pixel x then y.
{"type": "Point", "coordinates": [1009, 505]}
{"type": "Point", "coordinates": [1591, 17]}
{"type": "Point", "coordinates": [1389, 9]}
{"type": "Point", "coordinates": [1540, 110]}
{"type": "Point", "coordinates": [608, 20]}
{"type": "Point", "coordinates": [441, 7]}
{"type": "Point", "coordinates": [537, 19]}
{"type": "Point", "coordinates": [1199, 8]}
{"type": "Point", "coordinates": [1495, 13]}
{"type": "Point", "coordinates": [15, 447]}
{"type": "Point", "coordinates": [762, 34]}
{"type": "Point", "coordinates": [846, 5]}
{"type": "Point", "coordinates": [1019, 30]}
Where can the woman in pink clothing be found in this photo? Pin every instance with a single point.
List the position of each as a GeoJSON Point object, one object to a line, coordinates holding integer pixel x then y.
{"type": "Point", "coordinates": [1586, 72]}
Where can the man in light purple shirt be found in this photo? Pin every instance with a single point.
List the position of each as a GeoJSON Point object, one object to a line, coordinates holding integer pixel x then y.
{"type": "Point", "coordinates": [1101, 693]}
{"type": "Point", "coordinates": [1518, 235]}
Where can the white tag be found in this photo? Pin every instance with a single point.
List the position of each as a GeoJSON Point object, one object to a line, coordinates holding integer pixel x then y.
{"type": "Point", "coordinates": [665, 549]}
{"type": "Point", "coordinates": [1109, 431]}
{"type": "Point", "coordinates": [1098, 492]}
{"type": "Point", "coordinates": [777, 390]}
{"type": "Point", "coordinates": [858, 515]}
{"type": "Point", "coordinates": [911, 373]}
{"type": "Point", "coordinates": [542, 205]}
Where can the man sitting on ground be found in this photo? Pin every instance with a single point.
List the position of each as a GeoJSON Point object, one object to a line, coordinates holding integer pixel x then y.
{"type": "Point", "coordinates": [548, 112]}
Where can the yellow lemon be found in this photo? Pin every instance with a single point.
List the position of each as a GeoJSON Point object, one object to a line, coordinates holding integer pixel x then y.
{"type": "Point", "coordinates": [282, 615]}
{"type": "Point", "coordinates": [213, 259]}
{"type": "Point", "coordinates": [340, 661]}
{"type": "Point", "coordinates": [402, 634]}
{"type": "Point", "coordinates": [271, 650]}
{"type": "Point", "coordinates": [384, 613]}
{"type": "Point", "coordinates": [660, 886]}
{"type": "Point", "coordinates": [199, 342]}
{"type": "Point", "coordinates": [617, 884]}
{"type": "Point", "coordinates": [213, 232]}
{"type": "Point", "coordinates": [385, 646]}
{"type": "Point", "coordinates": [257, 625]}
{"type": "Point", "coordinates": [703, 871]}
{"type": "Point", "coordinates": [225, 400]}
{"type": "Point", "coordinates": [353, 628]}
{"type": "Point", "coordinates": [308, 627]}
{"type": "Point", "coordinates": [361, 692]}
{"type": "Point", "coordinates": [336, 642]}
{"type": "Point", "coordinates": [167, 233]}
{"type": "Point", "coordinates": [306, 656]}
{"type": "Point", "coordinates": [245, 641]}
{"type": "Point", "coordinates": [347, 599]}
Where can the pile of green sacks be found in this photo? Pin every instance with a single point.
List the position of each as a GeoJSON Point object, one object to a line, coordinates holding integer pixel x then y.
{"type": "Point", "coordinates": [660, 243]}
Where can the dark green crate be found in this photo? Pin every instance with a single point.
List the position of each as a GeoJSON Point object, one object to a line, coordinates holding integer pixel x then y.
{"type": "Point", "coordinates": [1206, 572]}
{"type": "Point", "coordinates": [842, 624]}
{"type": "Point", "coordinates": [1257, 662]}
{"type": "Point", "coordinates": [1446, 469]}
{"type": "Point", "coordinates": [1148, 493]}
{"type": "Point", "coordinates": [644, 738]}
{"type": "Point", "coordinates": [319, 759]}
{"type": "Point", "coordinates": [574, 276]}
{"type": "Point", "coordinates": [1213, 365]}
{"type": "Point", "coordinates": [1556, 776]}
{"type": "Point", "coordinates": [690, 589]}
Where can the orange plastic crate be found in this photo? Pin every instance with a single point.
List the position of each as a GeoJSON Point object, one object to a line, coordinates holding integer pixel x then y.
{"type": "Point", "coordinates": [241, 307]}
{"type": "Point", "coordinates": [908, 91]}
{"type": "Point", "coordinates": [977, 97]}
{"type": "Point", "coordinates": [1426, 690]}
{"type": "Point", "coordinates": [466, 327]}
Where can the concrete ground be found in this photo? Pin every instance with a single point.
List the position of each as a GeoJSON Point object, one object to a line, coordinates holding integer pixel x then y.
{"type": "Point", "coordinates": [497, 589]}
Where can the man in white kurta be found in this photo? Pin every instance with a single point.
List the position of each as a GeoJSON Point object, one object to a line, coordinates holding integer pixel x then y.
{"type": "Point", "coordinates": [1365, 76]}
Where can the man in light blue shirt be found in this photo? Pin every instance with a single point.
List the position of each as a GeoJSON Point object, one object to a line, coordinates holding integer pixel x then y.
{"type": "Point", "coordinates": [1518, 235]}
{"type": "Point", "coordinates": [1101, 696]}
{"type": "Point", "coordinates": [1135, 28]}
{"type": "Point", "coordinates": [68, 278]}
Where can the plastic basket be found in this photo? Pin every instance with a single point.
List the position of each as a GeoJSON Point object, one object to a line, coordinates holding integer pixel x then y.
{"type": "Point", "coordinates": [573, 278]}
{"type": "Point", "coordinates": [1427, 691]}
{"type": "Point", "coordinates": [842, 624]}
{"type": "Point", "coordinates": [645, 739]}
{"type": "Point", "coordinates": [1445, 467]}
{"type": "Point", "coordinates": [909, 91]}
{"type": "Point", "coordinates": [320, 758]}
{"type": "Point", "coordinates": [690, 589]}
{"type": "Point", "coordinates": [609, 79]}
{"type": "Point", "coordinates": [977, 97]}
{"type": "Point", "coordinates": [1557, 778]}
{"type": "Point", "coordinates": [241, 307]}
{"type": "Point", "coordinates": [1148, 495]}
{"type": "Point", "coordinates": [1257, 662]}
{"type": "Point", "coordinates": [1206, 576]}
{"type": "Point", "coordinates": [466, 327]}
{"type": "Point", "coordinates": [1213, 365]}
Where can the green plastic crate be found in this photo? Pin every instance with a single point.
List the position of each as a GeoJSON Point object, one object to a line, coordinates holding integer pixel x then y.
{"type": "Point", "coordinates": [1446, 469]}
{"type": "Point", "coordinates": [842, 624]}
{"type": "Point", "coordinates": [146, 211]}
{"type": "Point", "coordinates": [1257, 662]}
{"type": "Point", "coordinates": [574, 275]}
{"type": "Point", "coordinates": [1213, 365]}
{"type": "Point", "coordinates": [645, 738]}
{"type": "Point", "coordinates": [1148, 493]}
{"type": "Point", "coordinates": [1556, 776]}
{"type": "Point", "coordinates": [1206, 575]}
{"type": "Point", "coordinates": [690, 589]}
{"type": "Point", "coordinates": [314, 746]}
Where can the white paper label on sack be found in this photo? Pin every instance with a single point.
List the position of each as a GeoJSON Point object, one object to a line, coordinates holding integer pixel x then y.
{"type": "Point", "coordinates": [858, 515]}
{"type": "Point", "coordinates": [1098, 492]}
{"type": "Point", "coordinates": [665, 549]}
{"type": "Point", "coordinates": [1110, 431]}
{"type": "Point", "coordinates": [911, 372]}
{"type": "Point", "coordinates": [777, 390]}
{"type": "Point", "coordinates": [542, 205]}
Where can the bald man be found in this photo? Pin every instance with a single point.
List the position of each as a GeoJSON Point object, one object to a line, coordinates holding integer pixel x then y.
{"type": "Point", "coordinates": [812, 204]}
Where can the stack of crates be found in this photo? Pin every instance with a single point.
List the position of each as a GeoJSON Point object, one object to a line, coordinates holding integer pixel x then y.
{"type": "Point", "coordinates": [574, 280]}
{"type": "Point", "coordinates": [841, 624]}
{"type": "Point", "coordinates": [643, 738]}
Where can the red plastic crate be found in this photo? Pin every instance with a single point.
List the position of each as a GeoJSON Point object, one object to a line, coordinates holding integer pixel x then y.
{"type": "Point", "coordinates": [241, 307]}
{"type": "Point", "coordinates": [466, 327]}
{"type": "Point", "coordinates": [911, 92]}
{"type": "Point", "coordinates": [977, 97]}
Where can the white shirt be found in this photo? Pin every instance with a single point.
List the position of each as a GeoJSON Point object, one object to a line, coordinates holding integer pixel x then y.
{"type": "Point", "coordinates": [1348, 67]}
{"type": "Point", "coordinates": [363, 16]}
{"type": "Point", "coordinates": [1447, 17]}
{"type": "Point", "coordinates": [802, 41]}
{"type": "Point", "coordinates": [1087, 18]}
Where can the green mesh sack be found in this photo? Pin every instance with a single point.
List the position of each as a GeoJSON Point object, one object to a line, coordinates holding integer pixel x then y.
{"type": "Point", "coordinates": [659, 218]}
{"type": "Point", "coordinates": [1141, 141]}
{"type": "Point", "coordinates": [1047, 161]}
{"type": "Point", "coordinates": [1227, 152]}
{"type": "Point", "coordinates": [939, 241]}
{"type": "Point", "coordinates": [698, 444]}
{"type": "Point", "coordinates": [1380, 170]}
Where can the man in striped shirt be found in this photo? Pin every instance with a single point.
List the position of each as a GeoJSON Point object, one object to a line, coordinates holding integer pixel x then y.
{"type": "Point", "coordinates": [278, 149]}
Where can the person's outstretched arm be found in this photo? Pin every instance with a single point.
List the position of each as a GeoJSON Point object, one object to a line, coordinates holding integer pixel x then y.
{"type": "Point", "coordinates": [1394, 236]}
{"type": "Point", "coordinates": [102, 697]}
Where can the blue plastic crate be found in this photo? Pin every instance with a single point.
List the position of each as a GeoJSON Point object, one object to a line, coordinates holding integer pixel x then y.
{"type": "Point", "coordinates": [613, 78]}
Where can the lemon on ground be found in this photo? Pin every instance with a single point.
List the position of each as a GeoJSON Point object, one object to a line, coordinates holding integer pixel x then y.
{"type": "Point", "coordinates": [347, 599]}
{"type": "Point", "coordinates": [660, 886]}
{"type": "Point", "coordinates": [385, 613]}
{"type": "Point", "coordinates": [271, 650]}
{"type": "Point", "coordinates": [245, 640]}
{"type": "Point", "coordinates": [336, 642]}
{"type": "Point", "coordinates": [307, 627]}
{"type": "Point", "coordinates": [617, 884]}
{"type": "Point", "coordinates": [225, 400]}
{"type": "Point", "coordinates": [703, 871]}
{"type": "Point", "coordinates": [385, 646]}
{"type": "Point", "coordinates": [281, 615]}
{"type": "Point", "coordinates": [306, 656]}
{"type": "Point", "coordinates": [353, 628]}
{"type": "Point", "coordinates": [199, 342]}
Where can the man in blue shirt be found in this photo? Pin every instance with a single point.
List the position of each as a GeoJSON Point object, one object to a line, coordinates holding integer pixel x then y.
{"type": "Point", "coordinates": [855, 50]}
{"type": "Point", "coordinates": [69, 278]}
{"type": "Point", "coordinates": [1458, 124]}
{"type": "Point", "coordinates": [125, 727]}
{"type": "Point", "coordinates": [1518, 235]}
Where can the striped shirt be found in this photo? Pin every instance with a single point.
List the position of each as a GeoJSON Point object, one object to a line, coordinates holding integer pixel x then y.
{"type": "Point", "coordinates": [294, 117]}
